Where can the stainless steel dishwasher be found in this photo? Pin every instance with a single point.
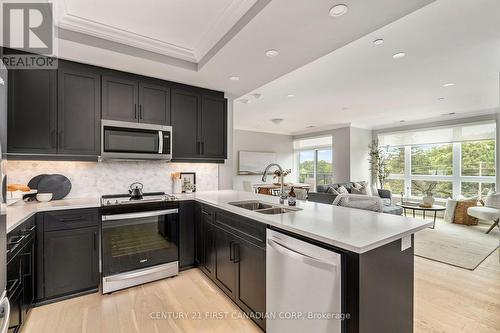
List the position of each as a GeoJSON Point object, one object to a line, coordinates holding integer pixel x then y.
{"type": "Point", "coordinates": [303, 283]}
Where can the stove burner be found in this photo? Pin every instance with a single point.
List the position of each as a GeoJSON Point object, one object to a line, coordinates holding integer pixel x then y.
{"type": "Point", "coordinates": [123, 199]}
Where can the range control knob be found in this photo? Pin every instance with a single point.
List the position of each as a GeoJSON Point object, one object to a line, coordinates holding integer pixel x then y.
{"type": "Point", "coordinates": [108, 203]}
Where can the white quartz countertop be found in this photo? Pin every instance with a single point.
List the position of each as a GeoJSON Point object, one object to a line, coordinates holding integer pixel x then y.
{"type": "Point", "coordinates": [21, 211]}
{"type": "Point", "coordinates": [350, 229]}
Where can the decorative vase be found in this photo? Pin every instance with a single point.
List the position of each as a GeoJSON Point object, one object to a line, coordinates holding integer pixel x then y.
{"type": "Point", "coordinates": [177, 186]}
{"type": "Point", "coordinates": [428, 200]}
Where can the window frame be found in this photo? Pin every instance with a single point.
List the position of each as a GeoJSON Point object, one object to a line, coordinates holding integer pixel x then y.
{"type": "Point", "coordinates": [315, 150]}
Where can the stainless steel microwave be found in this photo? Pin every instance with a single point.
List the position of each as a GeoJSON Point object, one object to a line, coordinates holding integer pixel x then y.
{"type": "Point", "coordinates": [135, 141]}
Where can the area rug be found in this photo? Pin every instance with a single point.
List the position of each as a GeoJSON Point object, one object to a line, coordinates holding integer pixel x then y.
{"type": "Point", "coordinates": [457, 245]}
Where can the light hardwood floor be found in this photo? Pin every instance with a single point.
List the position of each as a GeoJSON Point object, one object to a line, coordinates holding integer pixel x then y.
{"type": "Point", "coordinates": [447, 300]}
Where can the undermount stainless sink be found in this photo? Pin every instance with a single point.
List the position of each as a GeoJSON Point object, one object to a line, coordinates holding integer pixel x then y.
{"type": "Point", "coordinates": [263, 208]}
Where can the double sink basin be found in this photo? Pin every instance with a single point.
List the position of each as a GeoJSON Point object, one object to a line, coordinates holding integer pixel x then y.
{"type": "Point", "coordinates": [263, 208]}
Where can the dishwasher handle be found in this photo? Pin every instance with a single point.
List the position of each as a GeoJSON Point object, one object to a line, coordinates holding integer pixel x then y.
{"type": "Point", "coordinates": [285, 250]}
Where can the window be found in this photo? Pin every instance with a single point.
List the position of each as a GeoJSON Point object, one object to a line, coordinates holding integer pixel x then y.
{"type": "Point", "coordinates": [447, 161]}
{"type": "Point", "coordinates": [314, 157]}
{"type": "Point", "coordinates": [433, 159]}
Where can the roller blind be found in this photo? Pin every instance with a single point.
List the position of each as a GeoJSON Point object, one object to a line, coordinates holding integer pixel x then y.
{"type": "Point", "coordinates": [312, 143]}
{"type": "Point", "coordinates": [448, 134]}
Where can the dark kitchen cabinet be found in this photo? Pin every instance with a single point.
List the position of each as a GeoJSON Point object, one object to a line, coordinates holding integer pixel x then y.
{"type": "Point", "coordinates": [186, 234]}
{"type": "Point", "coordinates": [213, 127]}
{"type": "Point", "coordinates": [70, 261]}
{"type": "Point", "coordinates": [185, 112]}
{"type": "Point", "coordinates": [120, 99]}
{"type": "Point", "coordinates": [207, 246]}
{"type": "Point", "coordinates": [134, 100]}
{"type": "Point", "coordinates": [32, 112]}
{"type": "Point", "coordinates": [79, 110]}
{"type": "Point", "coordinates": [225, 270]}
{"type": "Point", "coordinates": [199, 126]}
{"type": "Point", "coordinates": [154, 104]}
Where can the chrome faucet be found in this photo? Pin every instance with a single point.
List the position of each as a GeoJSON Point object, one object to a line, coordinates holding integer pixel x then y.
{"type": "Point", "coordinates": [283, 195]}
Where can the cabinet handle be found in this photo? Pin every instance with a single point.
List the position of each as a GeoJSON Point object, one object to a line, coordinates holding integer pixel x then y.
{"type": "Point", "coordinates": [236, 254]}
{"type": "Point", "coordinates": [30, 229]}
{"type": "Point", "coordinates": [53, 139]}
{"type": "Point", "coordinates": [135, 111]}
{"type": "Point", "coordinates": [206, 213]}
{"type": "Point", "coordinates": [95, 241]}
{"type": "Point", "coordinates": [202, 145]}
{"type": "Point", "coordinates": [231, 253]}
{"type": "Point", "coordinates": [140, 112]}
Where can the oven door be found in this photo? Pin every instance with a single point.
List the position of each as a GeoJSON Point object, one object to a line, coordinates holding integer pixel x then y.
{"type": "Point", "coordinates": [138, 240]}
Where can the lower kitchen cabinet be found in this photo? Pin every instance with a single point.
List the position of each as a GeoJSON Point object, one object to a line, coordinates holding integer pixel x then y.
{"type": "Point", "coordinates": [186, 234]}
{"type": "Point", "coordinates": [233, 255]}
{"type": "Point", "coordinates": [68, 253]}
{"type": "Point", "coordinates": [70, 261]}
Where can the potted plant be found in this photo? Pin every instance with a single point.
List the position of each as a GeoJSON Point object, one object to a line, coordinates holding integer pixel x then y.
{"type": "Point", "coordinates": [277, 174]}
{"type": "Point", "coordinates": [189, 187]}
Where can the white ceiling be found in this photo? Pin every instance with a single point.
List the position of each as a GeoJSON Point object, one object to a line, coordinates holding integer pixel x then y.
{"type": "Point", "coordinates": [142, 37]}
{"type": "Point", "coordinates": [455, 41]}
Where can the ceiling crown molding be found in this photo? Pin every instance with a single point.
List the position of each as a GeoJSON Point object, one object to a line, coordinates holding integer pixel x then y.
{"type": "Point", "coordinates": [230, 16]}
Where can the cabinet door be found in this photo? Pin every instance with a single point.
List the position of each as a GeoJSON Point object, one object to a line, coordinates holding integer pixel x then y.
{"type": "Point", "coordinates": [186, 234]}
{"type": "Point", "coordinates": [70, 261]}
{"type": "Point", "coordinates": [28, 277]}
{"type": "Point", "coordinates": [32, 112]}
{"type": "Point", "coordinates": [208, 248]}
{"type": "Point", "coordinates": [119, 99]}
{"type": "Point", "coordinates": [185, 110]}
{"type": "Point", "coordinates": [154, 104]}
{"type": "Point", "coordinates": [251, 277]}
{"type": "Point", "coordinates": [79, 111]}
{"type": "Point", "coordinates": [225, 269]}
{"type": "Point", "coordinates": [214, 127]}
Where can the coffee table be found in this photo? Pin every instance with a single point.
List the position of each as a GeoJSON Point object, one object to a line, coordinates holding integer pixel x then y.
{"type": "Point", "coordinates": [414, 207]}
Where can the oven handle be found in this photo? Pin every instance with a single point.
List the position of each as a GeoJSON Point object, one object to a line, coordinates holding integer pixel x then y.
{"type": "Point", "coordinates": [160, 145]}
{"type": "Point", "coordinates": [139, 215]}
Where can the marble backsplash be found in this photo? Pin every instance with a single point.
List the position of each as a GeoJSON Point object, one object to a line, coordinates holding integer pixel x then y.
{"type": "Point", "coordinates": [92, 179]}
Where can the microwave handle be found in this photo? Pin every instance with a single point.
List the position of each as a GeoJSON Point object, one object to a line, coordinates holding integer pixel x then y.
{"type": "Point", "coordinates": [160, 145]}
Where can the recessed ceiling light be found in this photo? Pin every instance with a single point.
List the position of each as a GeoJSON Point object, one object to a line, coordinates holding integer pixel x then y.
{"type": "Point", "coordinates": [345, 108]}
{"type": "Point", "coordinates": [338, 10]}
{"type": "Point", "coordinates": [272, 53]}
{"type": "Point", "coordinates": [447, 85]}
{"type": "Point", "coordinates": [257, 96]}
{"type": "Point", "coordinates": [450, 114]}
{"type": "Point", "coordinates": [277, 121]}
{"type": "Point", "coordinates": [311, 126]}
{"type": "Point", "coordinates": [245, 101]}
{"type": "Point", "coordinates": [399, 55]}
{"type": "Point", "coordinates": [290, 95]}
{"type": "Point", "coordinates": [234, 78]}
{"type": "Point", "coordinates": [441, 99]}
{"type": "Point", "coordinates": [378, 41]}
{"type": "Point", "coordinates": [402, 121]}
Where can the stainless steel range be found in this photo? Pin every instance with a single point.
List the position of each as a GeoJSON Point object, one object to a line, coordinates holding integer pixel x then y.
{"type": "Point", "coordinates": [139, 239]}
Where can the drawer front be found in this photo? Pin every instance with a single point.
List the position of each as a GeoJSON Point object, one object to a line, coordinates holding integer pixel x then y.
{"type": "Point", "coordinates": [71, 219]}
{"type": "Point", "coordinates": [248, 229]}
{"type": "Point", "coordinates": [19, 237]}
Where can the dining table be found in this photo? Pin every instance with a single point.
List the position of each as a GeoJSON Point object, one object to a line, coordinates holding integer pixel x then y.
{"type": "Point", "coordinates": [274, 188]}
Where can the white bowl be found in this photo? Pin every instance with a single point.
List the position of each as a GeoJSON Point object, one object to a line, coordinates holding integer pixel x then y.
{"type": "Point", "coordinates": [44, 197]}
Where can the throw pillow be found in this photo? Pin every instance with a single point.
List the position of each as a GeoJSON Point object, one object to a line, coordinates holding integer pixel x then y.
{"type": "Point", "coordinates": [361, 190]}
{"type": "Point", "coordinates": [331, 190]}
{"type": "Point", "coordinates": [461, 216]}
{"type": "Point", "coordinates": [450, 210]}
{"type": "Point", "coordinates": [342, 190]}
{"type": "Point", "coordinates": [358, 186]}
{"type": "Point", "coordinates": [492, 200]}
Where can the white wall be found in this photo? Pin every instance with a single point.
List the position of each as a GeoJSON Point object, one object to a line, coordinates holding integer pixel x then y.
{"type": "Point", "coordinates": [341, 159]}
{"type": "Point", "coordinates": [359, 164]}
{"type": "Point", "coordinates": [282, 145]}
{"type": "Point", "coordinates": [226, 169]}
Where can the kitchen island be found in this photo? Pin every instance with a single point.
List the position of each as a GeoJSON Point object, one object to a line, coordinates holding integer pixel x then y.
{"type": "Point", "coordinates": [228, 243]}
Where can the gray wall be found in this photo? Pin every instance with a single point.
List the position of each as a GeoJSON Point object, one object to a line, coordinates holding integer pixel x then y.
{"type": "Point", "coordinates": [282, 145]}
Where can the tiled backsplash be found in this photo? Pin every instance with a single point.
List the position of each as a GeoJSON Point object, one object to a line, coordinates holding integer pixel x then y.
{"type": "Point", "coordinates": [91, 179]}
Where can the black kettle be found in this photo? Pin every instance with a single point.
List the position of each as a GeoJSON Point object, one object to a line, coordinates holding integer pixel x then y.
{"type": "Point", "coordinates": [135, 191]}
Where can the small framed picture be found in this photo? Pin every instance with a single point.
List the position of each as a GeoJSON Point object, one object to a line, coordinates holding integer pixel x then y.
{"type": "Point", "coordinates": [188, 180]}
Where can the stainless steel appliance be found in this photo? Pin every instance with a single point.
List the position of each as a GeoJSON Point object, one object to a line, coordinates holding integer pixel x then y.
{"type": "Point", "coordinates": [139, 239]}
{"type": "Point", "coordinates": [136, 141]}
{"type": "Point", "coordinates": [303, 283]}
{"type": "Point", "coordinates": [4, 301]}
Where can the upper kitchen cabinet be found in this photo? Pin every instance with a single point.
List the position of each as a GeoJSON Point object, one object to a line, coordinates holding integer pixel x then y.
{"type": "Point", "coordinates": [79, 111]}
{"type": "Point", "coordinates": [199, 126]}
{"type": "Point", "coordinates": [128, 98]}
{"type": "Point", "coordinates": [32, 112]}
{"type": "Point", "coordinates": [119, 99]}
